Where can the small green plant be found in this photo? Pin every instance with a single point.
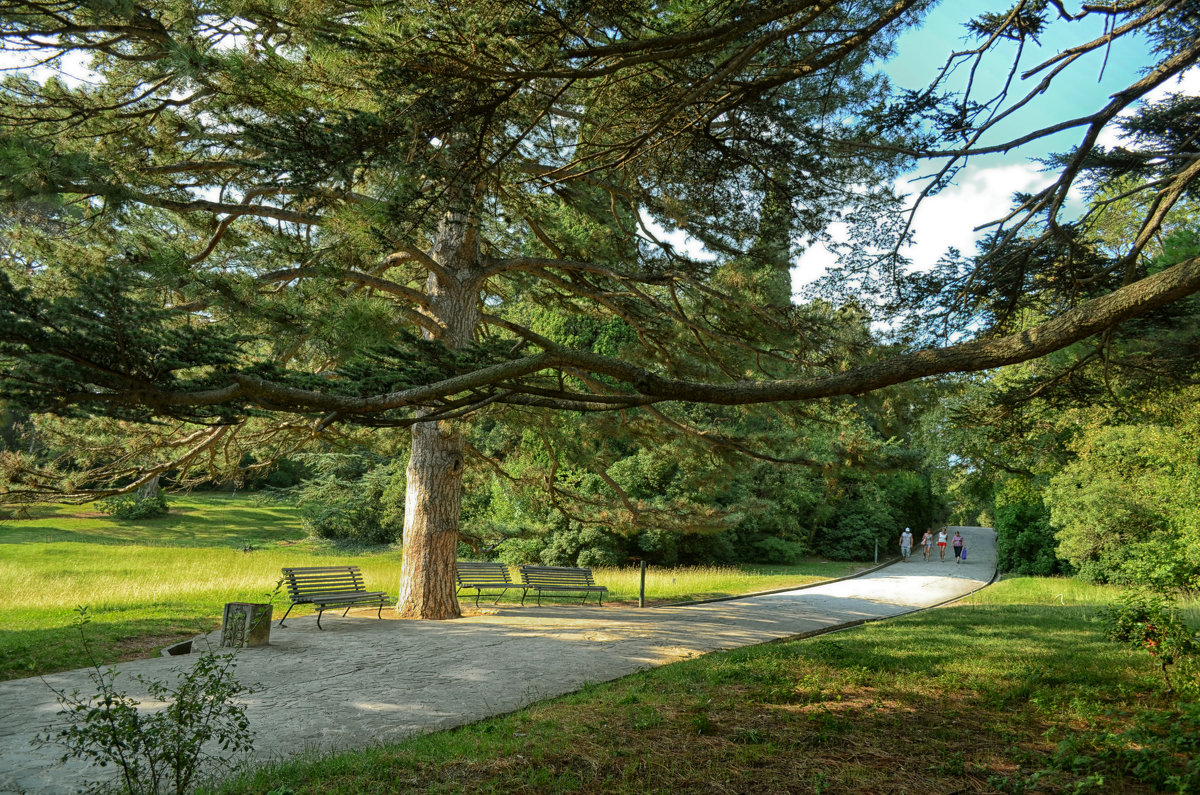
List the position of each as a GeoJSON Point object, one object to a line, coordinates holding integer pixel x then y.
{"type": "Point", "coordinates": [156, 751]}
{"type": "Point", "coordinates": [1151, 622]}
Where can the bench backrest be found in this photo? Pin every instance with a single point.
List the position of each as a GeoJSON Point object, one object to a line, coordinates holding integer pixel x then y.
{"type": "Point", "coordinates": [308, 580]}
{"type": "Point", "coordinates": [556, 575]}
{"type": "Point", "coordinates": [471, 572]}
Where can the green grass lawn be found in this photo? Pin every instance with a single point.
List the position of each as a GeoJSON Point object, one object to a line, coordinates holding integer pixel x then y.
{"type": "Point", "coordinates": [1013, 690]}
{"type": "Point", "coordinates": [148, 584]}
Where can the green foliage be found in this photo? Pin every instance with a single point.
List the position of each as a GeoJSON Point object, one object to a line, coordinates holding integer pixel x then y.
{"type": "Point", "coordinates": [776, 550]}
{"type": "Point", "coordinates": [1125, 508]}
{"type": "Point", "coordinates": [519, 551]}
{"type": "Point", "coordinates": [670, 548]}
{"type": "Point", "coordinates": [1148, 621]}
{"type": "Point", "coordinates": [352, 497]}
{"type": "Point", "coordinates": [1148, 750]}
{"type": "Point", "coordinates": [578, 545]}
{"type": "Point", "coordinates": [857, 531]}
{"type": "Point", "coordinates": [668, 498]}
{"type": "Point", "coordinates": [1025, 541]}
{"type": "Point", "coordinates": [161, 750]}
{"type": "Point", "coordinates": [130, 507]}
{"type": "Point", "coordinates": [285, 473]}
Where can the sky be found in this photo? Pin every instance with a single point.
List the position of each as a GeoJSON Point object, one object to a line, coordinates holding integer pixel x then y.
{"type": "Point", "coordinates": [983, 189]}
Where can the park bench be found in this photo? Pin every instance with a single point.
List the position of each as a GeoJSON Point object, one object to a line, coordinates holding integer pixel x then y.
{"type": "Point", "coordinates": [329, 587]}
{"type": "Point", "coordinates": [482, 576]}
{"type": "Point", "coordinates": [560, 579]}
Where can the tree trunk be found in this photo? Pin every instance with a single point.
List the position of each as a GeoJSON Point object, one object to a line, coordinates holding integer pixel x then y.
{"type": "Point", "coordinates": [148, 490]}
{"type": "Point", "coordinates": [433, 492]}
{"type": "Point", "coordinates": [433, 498]}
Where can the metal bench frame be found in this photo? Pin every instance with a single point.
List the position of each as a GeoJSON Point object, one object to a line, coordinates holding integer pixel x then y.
{"type": "Point", "coordinates": [560, 579]}
{"type": "Point", "coordinates": [329, 587]}
{"type": "Point", "coordinates": [484, 575]}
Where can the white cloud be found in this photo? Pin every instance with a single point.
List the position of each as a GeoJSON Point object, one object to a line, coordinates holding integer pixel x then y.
{"type": "Point", "coordinates": [1186, 83]}
{"type": "Point", "coordinates": [980, 195]}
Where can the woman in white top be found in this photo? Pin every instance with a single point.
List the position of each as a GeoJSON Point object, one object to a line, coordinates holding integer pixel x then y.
{"type": "Point", "coordinates": [942, 544]}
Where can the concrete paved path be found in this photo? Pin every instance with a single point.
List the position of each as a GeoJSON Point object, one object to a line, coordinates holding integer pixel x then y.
{"type": "Point", "coordinates": [363, 681]}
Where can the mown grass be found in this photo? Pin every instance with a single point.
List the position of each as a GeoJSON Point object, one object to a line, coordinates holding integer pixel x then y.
{"type": "Point", "coordinates": [1014, 690]}
{"type": "Point", "coordinates": [151, 583]}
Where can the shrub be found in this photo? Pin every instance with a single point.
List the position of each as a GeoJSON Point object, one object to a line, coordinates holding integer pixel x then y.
{"type": "Point", "coordinates": [776, 550]}
{"type": "Point", "coordinates": [129, 507]}
{"type": "Point", "coordinates": [1150, 622]}
{"type": "Point", "coordinates": [519, 551]}
{"type": "Point", "coordinates": [1024, 538]}
{"type": "Point", "coordinates": [577, 545]}
{"type": "Point", "coordinates": [1127, 498]}
{"type": "Point", "coordinates": [858, 529]}
{"type": "Point", "coordinates": [353, 501]}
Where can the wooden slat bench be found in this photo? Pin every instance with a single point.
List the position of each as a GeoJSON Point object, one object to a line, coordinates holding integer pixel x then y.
{"type": "Point", "coordinates": [329, 587]}
{"type": "Point", "coordinates": [560, 579]}
{"type": "Point", "coordinates": [482, 575]}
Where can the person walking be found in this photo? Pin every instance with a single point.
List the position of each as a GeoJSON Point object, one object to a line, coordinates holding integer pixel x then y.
{"type": "Point", "coordinates": [906, 539]}
{"type": "Point", "coordinates": [941, 542]}
{"type": "Point", "coordinates": [927, 544]}
{"type": "Point", "coordinates": [958, 546]}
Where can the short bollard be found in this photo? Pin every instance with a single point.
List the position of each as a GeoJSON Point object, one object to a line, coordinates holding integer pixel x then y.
{"type": "Point", "coordinates": [642, 587]}
{"type": "Point", "coordinates": [246, 624]}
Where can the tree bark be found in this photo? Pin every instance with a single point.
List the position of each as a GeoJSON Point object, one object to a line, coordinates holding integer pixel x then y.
{"type": "Point", "coordinates": [148, 490]}
{"type": "Point", "coordinates": [432, 502]}
{"type": "Point", "coordinates": [433, 484]}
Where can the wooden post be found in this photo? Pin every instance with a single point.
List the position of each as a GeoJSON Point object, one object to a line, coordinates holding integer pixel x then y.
{"type": "Point", "coordinates": [246, 624]}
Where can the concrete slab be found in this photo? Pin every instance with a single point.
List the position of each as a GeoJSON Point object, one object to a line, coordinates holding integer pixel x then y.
{"type": "Point", "coordinates": [362, 681]}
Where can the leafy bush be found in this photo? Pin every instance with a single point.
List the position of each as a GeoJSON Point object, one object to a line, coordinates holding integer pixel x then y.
{"type": "Point", "coordinates": [577, 545]}
{"type": "Point", "coordinates": [776, 550]}
{"type": "Point", "coordinates": [519, 551]}
{"type": "Point", "coordinates": [1150, 622]}
{"type": "Point", "coordinates": [857, 531]}
{"type": "Point", "coordinates": [353, 498]}
{"type": "Point", "coordinates": [1024, 538]}
{"type": "Point", "coordinates": [129, 507]}
{"type": "Point", "coordinates": [286, 473]}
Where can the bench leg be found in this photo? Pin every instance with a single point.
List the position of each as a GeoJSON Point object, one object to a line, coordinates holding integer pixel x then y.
{"type": "Point", "coordinates": [320, 610]}
{"type": "Point", "coordinates": [379, 612]}
{"type": "Point", "coordinates": [285, 615]}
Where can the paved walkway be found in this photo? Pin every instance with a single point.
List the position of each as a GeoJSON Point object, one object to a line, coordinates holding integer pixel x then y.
{"type": "Point", "coordinates": [363, 681]}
